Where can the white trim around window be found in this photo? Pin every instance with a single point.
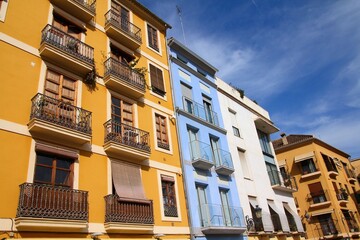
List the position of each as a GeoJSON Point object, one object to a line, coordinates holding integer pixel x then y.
{"type": "Point", "coordinates": [147, 38]}
{"type": "Point", "coordinates": [170, 151]}
{"type": "Point", "coordinates": [163, 217]}
{"type": "Point", "coordinates": [3, 9]}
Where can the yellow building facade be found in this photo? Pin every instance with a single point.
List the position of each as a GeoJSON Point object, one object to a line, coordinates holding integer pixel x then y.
{"type": "Point", "coordinates": [327, 186]}
{"type": "Point", "coordinates": [88, 143]}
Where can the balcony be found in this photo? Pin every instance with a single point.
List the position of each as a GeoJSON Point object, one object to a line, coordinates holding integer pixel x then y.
{"type": "Point", "coordinates": [220, 219]}
{"type": "Point", "coordinates": [121, 78]}
{"type": "Point", "coordinates": [59, 121]}
{"type": "Point", "coordinates": [319, 199]}
{"type": "Point", "coordinates": [121, 30]}
{"type": "Point", "coordinates": [201, 155]}
{"type": "Point", "coordinates": [62, 49]}
{"type": "Point", "coordinates": [82, 9]}
{"type": "Point", "coordinates": [126, 141]}
{"type": "Point", "coordinates": [199, 111]}
{"type": "Point", "coordinates": [128, 217]}
{"type": "Point", "coordinates": [49, 208]}
{"type": "Point", "coordinates": [278, 182]}
{"type": "Point", "coordinates": [223, 162]}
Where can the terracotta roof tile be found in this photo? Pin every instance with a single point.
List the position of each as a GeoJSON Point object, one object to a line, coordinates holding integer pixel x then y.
{"type": "Point", "coordinates": [292, 138]}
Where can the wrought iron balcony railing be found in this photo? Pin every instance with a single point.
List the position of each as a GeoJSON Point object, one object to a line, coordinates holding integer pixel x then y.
{"type": "Point", "coordinates": [123, 24]}
{"type": "Point", "coordinates": [276, 178]}
{"type": "Point", "coordinates": [46, 201]}
{"type": "Point", "coordinates": [213, 215]}
{"type": "Point", "coordinates": [223, 158]}
{"type": "Point", "coordinates": [67, 43]}
{"type": "Point", "coordinates": [88, 4]}
{"type": "Point", "coordinates": [121, 211]}
{"type": "Point", "coordinates": [60, 113]}
{"type": "Point", "coordinates": [318, 197]}
{"type": "Point", "coordinates": [200, 111]}
{"type": "Point", "coordinates": [127, 135]}
{"type": "Point", "coordinates": [125, 73]}
{"type": "Point", "coordinates": [276, 222]}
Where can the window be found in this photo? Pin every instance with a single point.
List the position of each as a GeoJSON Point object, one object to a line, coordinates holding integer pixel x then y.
{"type": "Point", "coordinates": [225, 206]}
{"type": "Point", "coordinates": [121, 15]}
{"type": "Point", "coordinates": [169, 196]}
{"type": "Point", "coordinates": [274, 216]}
{"type": "Point", "coordinates": [236, 131]}
{"type": "Point", "coordinates": [329, 162]}
{"type": "Point", "coordinates": [308, 166]}
{"type": "Point", "coordinates": [273, 173]}
{"type": "Point", "coordinates": [67, 26]}
{"type": "Point", "coordinates": [187, 98]}
{"type": "Point", "coordinates": [157, 81]}
{"type": "Point", "coordinates": [327, 224]}
{"type": "Point", "coordinates": [121, 111]}
{"type": "Point", "coordinates": [209, 116]}
{"type": "Point", "coordinates": [214, 142]}
{"type": "Point", "coordinates": [317, 193]}
{"type": "Point", "coordinates": [153, 38]}
{"type": "Point", "coordinates": [244, 164]}
{"type": "Point", "coordinates": [264, 142]}
{"type": "Point", "coordinates": [3, 8]}
{"type": "Point", "coordinates": [290, 218]}
{"type": "Point", "coordinates": [53, 169]}
{"type": "Point", "coordinates": [161, 132]}
{"type": "Point", "coordinates": [120, 55]}
{"type": "Point", "coordinates": [203, 207]}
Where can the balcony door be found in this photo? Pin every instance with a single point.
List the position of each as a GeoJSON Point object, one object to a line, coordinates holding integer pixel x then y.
{"type": "Point", "coordinates": [194, 144]}
{"type": "Point", "coordinates": [203, 207]}
{"type": "Point", "coordinates": [61, 91]}
{"type": "Point", "coordinates": [187, 98]}
{"type": "Point", "coordinates": [208, 110]}
{"type": "Point", "coordinates": [214, 142]}
{"type": "Point", "coordinates": [122, 118]}
{"type": "Point", "coordinates": [225, 207]}
{"type": "Point", "coordinates": [122, 15]}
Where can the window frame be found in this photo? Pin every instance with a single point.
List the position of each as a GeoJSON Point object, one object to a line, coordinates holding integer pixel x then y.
{"type": "Point", "coordinates": [155, 89]}
{"type": "Point", "coordinates": [148, 42]}
{"type": "Point", "coordinates": [161, 173]}
{"type": "Point", "coordinates": [162, 128]}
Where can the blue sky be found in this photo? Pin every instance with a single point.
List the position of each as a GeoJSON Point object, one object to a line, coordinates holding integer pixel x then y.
{"type": "Point", "coordinates": [299, 59]}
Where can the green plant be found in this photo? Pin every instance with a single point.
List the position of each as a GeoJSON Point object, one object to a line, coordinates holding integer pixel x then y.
{"type": "Point", "coordinates": [90, 79]}
{"type": "Point", "coordinates": [132, 65]}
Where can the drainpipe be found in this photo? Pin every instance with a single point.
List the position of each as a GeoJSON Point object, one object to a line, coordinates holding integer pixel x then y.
{"type": "Point", "coordinates": [192, 237]}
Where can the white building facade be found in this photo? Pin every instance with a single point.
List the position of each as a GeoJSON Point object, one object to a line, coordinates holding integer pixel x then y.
{"type": "Point", "coordinates": [262, 182]}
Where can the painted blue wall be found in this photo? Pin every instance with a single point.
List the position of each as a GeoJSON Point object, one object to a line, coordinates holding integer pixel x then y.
{"type": "Point", "coordinates": [208, 178]}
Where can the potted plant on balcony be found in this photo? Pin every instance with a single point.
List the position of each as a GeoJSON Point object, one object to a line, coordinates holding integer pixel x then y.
{"type": "Point", "coordinates": [90, 79]}
{"type": "Point", "coordinates": [73, 45]}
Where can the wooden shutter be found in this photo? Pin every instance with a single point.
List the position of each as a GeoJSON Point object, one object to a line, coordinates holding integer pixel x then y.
{"type": "Point", "coordinates": [161, 132]}
{"type": "Point", "coordinates": [315, 188]}
{"type": "Point", "coordinates": [156, 77]}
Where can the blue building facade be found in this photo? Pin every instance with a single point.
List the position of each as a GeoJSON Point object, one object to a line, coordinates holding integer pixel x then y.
{"type": "Point", "coordinates": [213, 201]}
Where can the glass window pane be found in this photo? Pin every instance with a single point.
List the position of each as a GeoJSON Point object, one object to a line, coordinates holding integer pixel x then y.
{"type": "Point", "coordinates": [44, 159]}
{"type": "Point", "coordinates": [63, 163]}
{"type": "Point", "coordinates": [42, 174]}
{"type": "Point", "coordinates": [62, 177]}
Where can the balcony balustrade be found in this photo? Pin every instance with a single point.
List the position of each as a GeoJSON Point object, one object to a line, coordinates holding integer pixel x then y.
{"type": "Point", "coordinates": [223, 162]}
{"type": "Point", "coordinates": [126, 140]}
{"type": "Point", "coordinates": [198, 110]}
{"type": "Point", "coordinates": [46, 201]}
{"type": "Point", "coordinates": [123, 79]}
{"type": "Point", "coordinates": [82, 9]}
{"type": "Point", "coordinates": [351, 175]}
{"type": "Point", "coordinates": [283, 183]}
{"type": "Point", "coordinates": [120, 29]}
{"type": "Point", "coordinates": [58, 120]}
{"type": "Point", "coordinates": [65, 50]}
{"type": "Point", "coordinates": [201, 155]}
{"type": "Point", "coordinates": [220, 219]}
{"type": "Point", "coordinates": [118, 210]}
{"type": "Point", "coordinates": [318, 199]}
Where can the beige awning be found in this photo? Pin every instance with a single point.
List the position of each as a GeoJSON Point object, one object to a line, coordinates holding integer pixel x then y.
{"type": "Point", "coordinates": [127, 181]}
{"type": "Point", "coordinates": [304, 156]}
{"type": "Point", "coordinates": [296, 217]}
{"type": "Point", "coordinates": [281, 162]}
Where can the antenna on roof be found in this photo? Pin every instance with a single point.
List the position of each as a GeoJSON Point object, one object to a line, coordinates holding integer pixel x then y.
{"type": "Point", "coordinates": [182, 27]}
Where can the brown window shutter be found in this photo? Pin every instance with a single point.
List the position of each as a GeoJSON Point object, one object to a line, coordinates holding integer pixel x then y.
{"type": "Point", "coordinates": [157, 80]}
{"type": "Point", "coordinates": [315, 187]}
